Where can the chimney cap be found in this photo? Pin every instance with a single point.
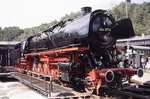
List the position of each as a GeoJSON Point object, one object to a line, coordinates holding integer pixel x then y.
{"type": "Point", "coordinates": [85, 10]}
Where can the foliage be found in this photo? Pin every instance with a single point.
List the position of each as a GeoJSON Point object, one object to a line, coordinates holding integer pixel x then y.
{"type": "Point", "coordinates": [70, 16]}
{"type": "Point", "coordinates": [35, 30]}
{"type": "Point", "coordinates": [9, 33]}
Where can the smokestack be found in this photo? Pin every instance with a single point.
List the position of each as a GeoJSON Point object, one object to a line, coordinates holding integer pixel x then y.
{"type": "Point", "coordinates": [85, 10]}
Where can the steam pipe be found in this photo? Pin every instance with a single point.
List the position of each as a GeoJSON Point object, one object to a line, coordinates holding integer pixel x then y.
{"type": "Point", "coordinates": [108, 75]}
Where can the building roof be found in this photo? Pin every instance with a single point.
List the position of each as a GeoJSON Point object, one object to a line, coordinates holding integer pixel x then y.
{"type": "Point", "coordinates": [141, 47]}
{"type": "Point", "coordinates": [138, 40]}
{"type": "Point", "coordinates": [9, 42]}
{"type": "Point", "coordinates": [147, 37]}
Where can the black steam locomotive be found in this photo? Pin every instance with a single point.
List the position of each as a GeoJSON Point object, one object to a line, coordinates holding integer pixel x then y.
{"type": "Point", "coordinates": [98, 30]}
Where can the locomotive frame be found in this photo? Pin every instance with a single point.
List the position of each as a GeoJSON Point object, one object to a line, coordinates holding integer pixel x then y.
{"type": "Point", "coordinates": [92, 80]}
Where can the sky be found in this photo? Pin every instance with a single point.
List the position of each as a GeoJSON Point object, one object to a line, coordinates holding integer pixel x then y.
{"type": "Point", "coordinates": [30, 13]}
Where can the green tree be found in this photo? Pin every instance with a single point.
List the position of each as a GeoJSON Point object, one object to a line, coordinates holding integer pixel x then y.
{"type": "Point", "coordinates": [70, 16]}
{"type": "Point", "coordinates": [9, 33]}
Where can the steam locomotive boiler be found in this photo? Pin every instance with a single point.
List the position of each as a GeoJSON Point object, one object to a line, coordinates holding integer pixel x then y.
{"type": "Point", "coordinates": [96, 29]}
{"type": "Point", "coordinates": [80, 52]}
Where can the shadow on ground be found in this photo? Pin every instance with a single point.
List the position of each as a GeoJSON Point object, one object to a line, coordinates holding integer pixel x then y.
{"type": "Point", "coordinates": [8, 79]}
{"type": "Point", "coordinates": [65, 94]}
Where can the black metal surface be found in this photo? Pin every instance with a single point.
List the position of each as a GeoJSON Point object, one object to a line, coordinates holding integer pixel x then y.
{"type": "Point", "coordinates": [3, 57]}
{"type": "Point", "coordinates": [65, 68]}
{"type": "Point", "coordinates": [15, 56]}
{"type": "Point", "coordinates": [123, 29]}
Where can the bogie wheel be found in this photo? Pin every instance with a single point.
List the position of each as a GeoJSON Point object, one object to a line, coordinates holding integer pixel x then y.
{"type": "Point", "coordinates": [89, 85]}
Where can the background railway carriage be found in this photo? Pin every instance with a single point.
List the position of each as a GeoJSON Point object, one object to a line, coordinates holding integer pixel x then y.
{"type": "Point", "coordinates": [80, 52]}
{"type": "Point", "coordinates": [6, 65]}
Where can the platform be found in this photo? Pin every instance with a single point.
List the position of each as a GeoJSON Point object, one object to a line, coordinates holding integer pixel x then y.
{"type": "Point", "coordinates": [49, 89]}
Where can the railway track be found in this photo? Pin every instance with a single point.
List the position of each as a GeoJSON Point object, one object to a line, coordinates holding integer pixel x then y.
{"type": "Point", "coordinates": [135, 92]}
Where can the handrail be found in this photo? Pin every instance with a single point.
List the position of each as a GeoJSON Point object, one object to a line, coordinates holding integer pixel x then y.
{"type": "Point", "coordinates": [30, 74]}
